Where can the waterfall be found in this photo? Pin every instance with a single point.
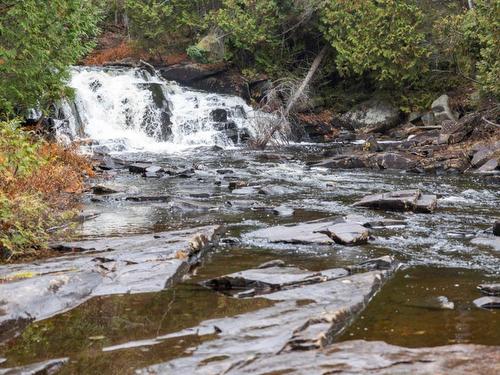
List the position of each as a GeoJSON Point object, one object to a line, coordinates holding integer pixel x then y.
{"type": "Point", "coordinates": [126, 109]}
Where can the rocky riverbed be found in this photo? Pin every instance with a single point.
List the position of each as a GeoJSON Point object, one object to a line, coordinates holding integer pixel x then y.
{"type": "Point", "coordinates": [236, 261]}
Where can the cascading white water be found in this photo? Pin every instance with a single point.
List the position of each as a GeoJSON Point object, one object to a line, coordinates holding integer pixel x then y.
{"type": "Point", "coordinates": [129, 109]}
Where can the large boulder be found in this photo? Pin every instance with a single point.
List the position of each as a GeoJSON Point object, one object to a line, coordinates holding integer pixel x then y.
{"type": "Point", "coordinates": [208, 77]}
{"type": "Point", "coordinates": [441, 109]}
{"type": "Point", "coordinates": [405, 200]}
{"type": "Point", "coordinates": [374, 115]}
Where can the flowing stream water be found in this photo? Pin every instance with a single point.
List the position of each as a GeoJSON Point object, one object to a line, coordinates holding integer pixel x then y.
{"type": "Point", "coordinates": [137, 116]}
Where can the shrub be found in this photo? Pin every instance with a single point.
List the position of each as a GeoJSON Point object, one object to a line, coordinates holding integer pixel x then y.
{"type": "Point", "coordinates": [469, 44]}
{"type": "Point", "coordinates": [37, 185]}
{"type": "Point", "coordinates": [381, 38]}
{"type": "Point", "coordinates": [197, 54]}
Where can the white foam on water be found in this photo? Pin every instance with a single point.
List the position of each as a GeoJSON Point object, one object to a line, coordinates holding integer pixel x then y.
{"type": "Point", "coordinates": [117, 108]}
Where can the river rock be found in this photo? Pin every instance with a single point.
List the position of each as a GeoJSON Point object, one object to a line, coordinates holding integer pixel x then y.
{"type": "Point", "coordinates": [343, 162]}
{"type": "Point", "coordinates": [41, 368]}
{"type": "Point", "coordinates": [269, 279]}
{"type": "Point", "coordinates": [304, 233]}
{"type": "Point", "coordinates": [405, 200]}
{"type": "Point", "coordinates": [376, 358]}
{"type": "Point", "coordinates": [481, 157]}
{"type": "Point", "coordinates": [272, 263]}
{"type": "Point", "coordinates": [348, 233]}
{"type": "Point", "coordinates": [302, 317]}
{"type": "Point", "coordinates": [491, 166]}
{"type": "Point", "coordinates": [134, 264]}
{"type": "Point", "coordinates": [393, 160]}
{"type": "Point", "coordinates": [139, 167]}
{"type": "Point", "coordinates": [488, 302]}
{"type": "Point", "coordinates": [496, 228]}
{"type": "Point", "coordinates": [374, 115]}
{"type": "Point", "coordinates": [442, 110]}
{"type": "Point", "coordinates": [105, 190]}
{"type": "Point", "coordinates": [190, 72]}
{"type": "Point", "coordinates": [219, 115]}
{"type": "Point", "coordinates": [490, 289]}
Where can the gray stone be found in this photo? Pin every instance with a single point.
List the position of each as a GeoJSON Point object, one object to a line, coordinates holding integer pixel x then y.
{"type": "Point", "coordinates": [488, 302]}
{"type": "Point", "coordinates": [442, 110]}
{"type": "Point", "coordinates": [265, 280]}
{"type": "Point", "coordinates": [40, 368]}
{"type": "Point", "coordinates": [284, 211]}
{"type": "Point", "coordinates": [490, 289]}
{"type": "Point", "coordinates": [139, 167]}
{"type": "Point", "coordinates": [304, 233]}
{"type": "Point", "coordinates": [428, 119]}
{"type": "Point", "coordinates": [376, 357]}
{"type": "Point", "coordinates": [393, 160]}
{"type": "Point", "coordinates": [372, 116]}
{"type": "Point", "coordinates": [426, 204]}
{"type": "Point", "coordinates": [404, 200]}
{"type": "Point", "coordinates": [348, 233]}
{"type": "Point", "coordinates": [481, 157]}
{"type": "Point", "coordinates": [305, 317]}
{"type": "Point", "coordinates": [490, 166]}
{"type": "Point", "coordinates": [136, 264]}
{"type": "Point", "coordinates": [105, 189]}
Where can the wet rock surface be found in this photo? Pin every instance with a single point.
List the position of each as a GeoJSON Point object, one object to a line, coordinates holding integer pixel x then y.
{"type": "Point", "coordinates": [40, 368]}
{"type": "Point", "coordinates": [363, 357]}
{"type": "Point", "coordinates": [305, 316]}
{"type": "Point", "coordinates": [134, 264]}
{"type": "Point", "coordinates": [406, 200]}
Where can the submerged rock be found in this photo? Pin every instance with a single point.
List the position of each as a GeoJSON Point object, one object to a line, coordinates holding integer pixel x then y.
{"type": "Point", "coordinates": [488, 302]}
{"type": "Point", "coordinates": [41, 368]}
{"type": "Point", "coordinates": [304, 316]}
{"type": "Point", "coordinates": [270, 278]}
{"type": "Point", "coordinates": [490, 289]}
{"type": "Point", "coordinates": [405, 200]}
{"type": "Point", "coordinates": [105, 190]}
{"type": "Point", "coordinates": [135, 264]}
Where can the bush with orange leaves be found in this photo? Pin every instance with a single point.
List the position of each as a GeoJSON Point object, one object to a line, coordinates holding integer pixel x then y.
{"type": "Point", "coordinates": [39, 186]}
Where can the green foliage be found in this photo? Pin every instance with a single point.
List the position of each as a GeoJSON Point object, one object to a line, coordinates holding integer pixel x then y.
{"type": "Point", "coordinates": [19, 155]}
{"type": "Point", "coordinates": [249, 24]}
{"type": "Point", "coordinates": [160, 25]}
{"type": "Point", "coordinates": [470, 44]}
{"type": "Point", "coordinates": [197, 54]}
{"type": "Point", "coordinates": [39, 40]}
{"type": "Point", "coordinates": [381, 38]}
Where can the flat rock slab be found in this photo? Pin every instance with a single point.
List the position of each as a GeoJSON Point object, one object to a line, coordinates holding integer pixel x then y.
{"type": "Point", "coordinates": [405, 200]}
{"type": "Point", "coordinates": [304, 233]}
{"type": "Point", "coordinates": [41, 368]}
{"type": "Point", "coordinates": [302, 318]}
{"type": "Point", "coordinates": [376, 357]}
{"type": "Point", "coordinates": [348, 233]}
{"type": "Point", "coordinates": [270, 279]}
{"type": "Point", "coordinates": [136, 264]}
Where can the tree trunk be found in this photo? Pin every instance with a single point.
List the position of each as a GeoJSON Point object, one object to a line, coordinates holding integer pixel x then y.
{"type": "Point", "coordinates": [292, 101]}
{"type": "Point", "coordinates": [310, 74]}
{"type": "Point", "coordinates": [471, 4]}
